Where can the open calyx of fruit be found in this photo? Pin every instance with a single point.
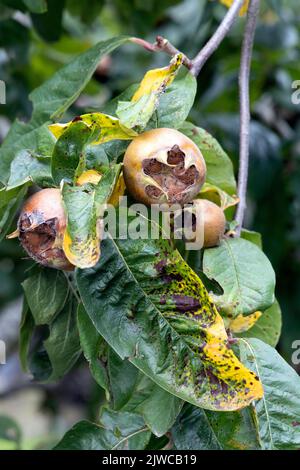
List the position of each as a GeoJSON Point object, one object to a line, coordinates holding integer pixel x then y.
{"type": "Point", "coordinates": [60, 227]}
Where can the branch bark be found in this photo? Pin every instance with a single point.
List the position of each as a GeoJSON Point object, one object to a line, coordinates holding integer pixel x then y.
{"type": "Point", "coordinates": [195, 65]}
{"type": "Point", "coordinates": [216, 39]}
{"type": "Point", "coordinates": [244, 75]}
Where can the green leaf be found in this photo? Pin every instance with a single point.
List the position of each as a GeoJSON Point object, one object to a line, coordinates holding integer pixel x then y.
{"type": "Point", "coordinates": [162, 319]}
{"type": "Point", "coordinates": [28, 167]}
{"type": "Point", "coordinates": [49, 24]}
{"type": "Point", "coordinates": [111, 106]}
{"type": "Point", "coordinates": [36, 139]}
{"type": "Point", "coordinates": [129, 388]}
{"type": "Point", "coordinates": [253, 237]}
{"type": "Point", "coordinates": [50, 101]}
{"type": "Point", "coordinates": [69, 153]}
{"type": "Point", "coordinates": [197, 429]}
{"type": "Point", "coordinates": [116, 431]}
{"type": "Point", "coordinates": [104, 127]}
{"type": "Point", "coordinates": [86, 15]}
{"type": "Point", "coordinates": [92, 345]}
{"type": "Point", "coordinates": [219, 166]}
{"type": "Point", "coordinates": [46, 293]}
{"type": "Point", "coordinates": [59, 347]}
{"type": "Point", "coordinates": [10, 434]}
{"type": "Point", "coordinates": [176, 103]}
{"type": "Point", "coordinates": [82, 237]}
{"type": "Point", "coordinates": [10, 202]}
{"type": "Point", "coordinates": [278, 413]}
{"type": "Point", "coordinates": [268, 326]}
{"type": "Point", "coordinates": [26, 332]}
{"type": "Point", "coordinates": [55, 96]}
{"type": "Point", "coordinates": [158, 407]}
{"type": "Point", "coordinates": [137, 112]}
{"type": "Point", "coordinates": [123, 378]}
{"type": "Point", "coordinates": [36, 6]}
{"type": "Point", "coordinates": [245, 274]}
{"type": "Point", "coordinates": [105, 154]}
{"type": "Point", "coordinates": [134, 392]}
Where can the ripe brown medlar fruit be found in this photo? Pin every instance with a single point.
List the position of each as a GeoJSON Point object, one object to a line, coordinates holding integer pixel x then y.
{"type": "Point", "coordinates": [212, 224]}
{"type": "Point", "coordinates": [163, 166]}
{"type": "Point", "coordinates": [41, 227]}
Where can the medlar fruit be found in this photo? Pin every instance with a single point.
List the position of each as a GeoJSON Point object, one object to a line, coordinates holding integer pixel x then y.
{"type": "Point", "coordinates": [213, 222]}
{"type": "Point", "coordinates": [163, 166]}
{"type": "Point", "coordinates": [41, 228]}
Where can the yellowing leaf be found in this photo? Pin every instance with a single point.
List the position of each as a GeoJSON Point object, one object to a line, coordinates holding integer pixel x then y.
{"type": "Point", "coordinates": [81, 242]}
{"type": "Point", "coordinates": [93, 177]}
{"type": "Point", "coordinates": [218, 196]}
{"type": "Point", "coordinates": [84, 206]}
{"type": "Point", "coordinates": [106, 128]}
{"type": "Point", "coordinates": [244, 8]}
{"type": "Point", "coordinates": [82, 255]}
{"type": "Point", "coordinates": [241, 323]}
{"type": "Point", "coordinates": [118, 191]}
{"type": "Point", "coordinates": [225, 365]}
{"type": "Point", "coordinates": [138, 111]}
{"type": "Point", "coordinates": [185, 302]}
{"type": "Point", "coordinates": [164, 321]}
{"type": "Point", "coordinates": [88, 176]}
{"type": "Point", "coordinates": [156, 80]}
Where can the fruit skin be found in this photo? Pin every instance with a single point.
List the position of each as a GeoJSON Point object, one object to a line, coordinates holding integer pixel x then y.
{"type": "Point", "coordinates": [213, 219]}
{"type": "Point", "coordinates": [166, 161]}
{"type": "Point", "coordinates": [41, 227]}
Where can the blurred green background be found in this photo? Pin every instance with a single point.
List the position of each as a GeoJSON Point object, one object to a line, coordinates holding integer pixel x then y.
{"type": "Point", "coordinates": [38, 37]}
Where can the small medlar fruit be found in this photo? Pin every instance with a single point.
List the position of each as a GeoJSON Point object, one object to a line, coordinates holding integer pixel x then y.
{"type": "Point", "coordinates": [41, 228]}
{"type": "Point", "coordinates": [213, 222]}
{"type": "Point", "coordinates": [163, 166]}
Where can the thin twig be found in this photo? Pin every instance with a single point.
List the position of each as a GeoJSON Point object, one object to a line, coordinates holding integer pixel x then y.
{"type": "Point", "coordinates": [195, 65]}
{"type": "Point", "coordinates": [244, 75]}
{"type": "Point", "coordinates": [217, 37]}
{"type": "Point", "coordinates": [162, 45]}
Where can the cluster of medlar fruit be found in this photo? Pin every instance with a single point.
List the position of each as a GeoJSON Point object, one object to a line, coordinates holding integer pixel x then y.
{"type": "Point", "coordinates": [165, 167]}
{"type": "Point", "coordinates": [161, 166]}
